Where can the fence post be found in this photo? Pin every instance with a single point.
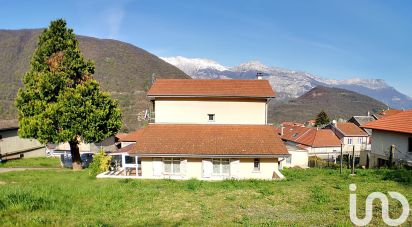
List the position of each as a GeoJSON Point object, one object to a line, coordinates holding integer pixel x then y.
{"type": "Point", "coordinates": [353, 160]}
{"type": "Point", "coordinates": [341, 158]}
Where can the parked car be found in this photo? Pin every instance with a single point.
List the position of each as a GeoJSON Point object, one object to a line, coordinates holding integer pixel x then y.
{"type": "Point", "coordinates": [66, 159]}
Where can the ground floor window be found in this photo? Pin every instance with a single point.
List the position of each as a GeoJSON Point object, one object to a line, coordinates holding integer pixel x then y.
{"type": "Point", "coordinates": [289, 160]}
{"type": "Point", "coordinates": [221, 167]}
{"type": "Point", "coordinates": [256, 164]}
{"type": "Point", "coordinates": [171, 165]}
{"type": "Point", "coordinates": [410, 144]}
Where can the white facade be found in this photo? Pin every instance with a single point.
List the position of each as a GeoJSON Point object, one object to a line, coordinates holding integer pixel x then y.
{"type": "Point", "coordinates": [298, 158]}
{"type": "Point", "coordinates": [209, 168]}
{"type": "Point", "coordinates": [381, 145]}
{"type": "Point", "coordinates": [197, 111]}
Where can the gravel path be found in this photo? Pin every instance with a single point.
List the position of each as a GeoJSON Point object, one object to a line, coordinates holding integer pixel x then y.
{"type": "Point", "coordinates": [4, 170]}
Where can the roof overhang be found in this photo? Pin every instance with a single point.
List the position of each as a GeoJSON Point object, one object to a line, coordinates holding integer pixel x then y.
{"type": "Point", "coordinates": [152, 97]}
{"type": "Point", "coordinates": [210, 155]}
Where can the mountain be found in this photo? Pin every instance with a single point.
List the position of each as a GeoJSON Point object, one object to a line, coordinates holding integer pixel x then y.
{"type": "Point", "coordinates": [121, 68]}
{"type": "Point", "coordinates": [336, 102]}
{"type": "Point", "coordinates": [288, 83]}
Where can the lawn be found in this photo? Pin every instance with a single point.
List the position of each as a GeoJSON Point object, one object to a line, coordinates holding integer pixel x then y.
{"type": "Point", "coordinates": [32, 162]}
{"type": "Point", "coordinates": [308, 197]}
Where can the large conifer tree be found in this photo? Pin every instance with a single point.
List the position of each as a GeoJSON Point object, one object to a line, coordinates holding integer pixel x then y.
{"type": "Point", "coordinates": [322, 119]}
{"type": "Point", "coordinates": [60, 100]}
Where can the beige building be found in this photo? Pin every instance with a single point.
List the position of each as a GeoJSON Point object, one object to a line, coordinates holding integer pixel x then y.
{"type": "Point", "coordinates": [208, 130]}
{"type": "Point", "coordinates": [352, 137]}
{"type": "Point", "coordinates": [12, 146]}
{"type": "Point", "coordinates": [391, 140]}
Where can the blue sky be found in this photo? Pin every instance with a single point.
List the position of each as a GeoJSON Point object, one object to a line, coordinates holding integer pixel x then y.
{"type": "Point", "coordinates": [336, 39]}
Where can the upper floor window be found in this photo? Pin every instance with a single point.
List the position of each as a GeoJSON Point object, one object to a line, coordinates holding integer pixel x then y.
{"type": "Point", "coordinates": [410, 144]}
{"type": "Point", "coordinates": [349, 140]}
{"type": "Point", "coordinates": [211, 117]}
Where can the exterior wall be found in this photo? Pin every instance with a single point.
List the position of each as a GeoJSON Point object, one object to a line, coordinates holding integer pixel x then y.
{"type": "Point", "coordinates": [381, 143]}
{"type": "Point", "coordinates": [195, 111]}
{"type": "Point", "coordinates": [194, 169]}
{"type": "Point", "coordinates": [298, 158]}
{"type": "Point", "coordinates": [11, 143]}
{"type": "Point", "coordinates": [355, 142]}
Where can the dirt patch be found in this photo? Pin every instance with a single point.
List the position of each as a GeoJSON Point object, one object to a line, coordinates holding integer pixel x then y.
{"type": "Point", "coordinates": [2, 182]}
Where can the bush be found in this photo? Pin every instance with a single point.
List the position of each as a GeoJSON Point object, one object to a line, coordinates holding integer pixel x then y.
{"type": "Point", "coordinates": [100, 163]}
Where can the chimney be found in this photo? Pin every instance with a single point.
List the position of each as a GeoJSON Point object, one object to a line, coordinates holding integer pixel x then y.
{"type": "Point", "coordinates": [334, 123]}
{"type": "Point", "coordinates": [281, 130]}
{"type": "Point", "coordinates": [258, 76]}
{"type": "Point", "coordinates": [369, 114]}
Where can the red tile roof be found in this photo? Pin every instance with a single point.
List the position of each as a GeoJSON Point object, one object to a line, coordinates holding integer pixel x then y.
{"type": "Point", "coordinates": [320, 138]}
{"type": "Point", "coordinates": [350, 129]}
{"type": "Point", "coordinates": [211, 88]}
{"type": "Point", "coordinates": [310, 137]}
{"type": "Point", "coordinates": [387, 113]}
{"type": "Point", "coordinates": [191, 139]}
{"type": "Point", "coordinates": [400, 122]}
{"type": "Point", "coordinates": [132, 137]}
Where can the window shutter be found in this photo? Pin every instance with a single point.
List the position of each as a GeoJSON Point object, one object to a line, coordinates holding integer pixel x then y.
{"type": "Point", "coordinates": [234, 168]}
{"type": "Point", "coordinates": [157, 166]}
{"type": "Point", "coordinates": [183, 167]}
{"type": "Point", "coordinates": [207, 168]}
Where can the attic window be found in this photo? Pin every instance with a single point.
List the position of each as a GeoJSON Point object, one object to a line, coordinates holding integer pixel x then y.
{"type": "Point", "coordinates": [295, 135]}
{"type": "Point", "coordinates": [211, 117]}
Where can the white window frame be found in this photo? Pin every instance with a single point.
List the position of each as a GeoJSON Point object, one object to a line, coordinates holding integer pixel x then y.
{"type": "Point", "coordinates": [350, 141]}
{"type": "Point", "coordinates": [289, 160]}
{"type": "Point", "coordinates": [360, 140]}
{"type": "Point", "coordinates": [172, 168]}
{"type": "Point", "coordinates": [214, 117]}
{"type": "Point", "coordinates": [220, 160]}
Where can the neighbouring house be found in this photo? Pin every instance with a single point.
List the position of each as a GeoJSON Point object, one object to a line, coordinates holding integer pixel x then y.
{"type": "Point", "coordinates": [108, 145]}
{"type": "Point", "coordinates": [322, 143]}
{"type": "Point", "coordinates": [209, 130]}
{"type": "Point", "coordinates": [299, 157]}
{"type": "Point", "coordinates": [12, 146]}
{"type": "Point", "coordinates": [352, 137]}
{"type": "Point", "coordinates": [361, 120]}
{"type": "Point", "coordinates": [392, 139]}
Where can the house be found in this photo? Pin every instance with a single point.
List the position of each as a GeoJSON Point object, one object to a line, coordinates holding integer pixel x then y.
{"type": "Point", "coordinates": [352, 137]}
{"type": "Point", "coordinates": [209, 130]}
{"type": "Point", "coordinates": [12, 146]}
{"type": "Point", "coordinates": [392, 139]}
{"type": "Point", "coordinates": [299, 157]}
{"type": "Point", "coordinates": [322, 143]}
{"type": "Point", "coordinates": [361, 120]}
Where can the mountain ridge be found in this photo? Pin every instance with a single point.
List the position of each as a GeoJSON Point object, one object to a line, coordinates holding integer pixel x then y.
{"type": "Point", "coordinates": [122, 69]}
{"type": "Point", "coordinates": [290, 84]}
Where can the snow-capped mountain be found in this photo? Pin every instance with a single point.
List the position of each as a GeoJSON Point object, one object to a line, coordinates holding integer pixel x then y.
{"type": "Point", "coordinates": [289, 83]}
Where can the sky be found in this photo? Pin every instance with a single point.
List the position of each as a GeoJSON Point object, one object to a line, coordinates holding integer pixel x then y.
{"type": "Point", "coordinates": [333, 39]}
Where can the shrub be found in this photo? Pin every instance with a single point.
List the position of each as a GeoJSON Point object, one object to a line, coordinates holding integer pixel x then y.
{"type": "Point", "coordinates": [100, 163]}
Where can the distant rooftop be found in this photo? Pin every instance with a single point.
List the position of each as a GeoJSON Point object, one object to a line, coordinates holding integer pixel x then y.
{"type": "Point", "coordinates": [399, 122]}
{"type": "Point", "coordinates": [211, 88]}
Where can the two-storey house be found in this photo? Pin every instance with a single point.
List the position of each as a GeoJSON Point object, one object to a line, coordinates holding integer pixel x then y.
{"type": "Point", "coordinates": [210, 130]}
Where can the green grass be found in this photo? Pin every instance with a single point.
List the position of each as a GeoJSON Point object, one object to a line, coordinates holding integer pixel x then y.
{"type": "Point", "coordinates": [32, 162]}
{"type": "Point", "coordinates": [308, 197]}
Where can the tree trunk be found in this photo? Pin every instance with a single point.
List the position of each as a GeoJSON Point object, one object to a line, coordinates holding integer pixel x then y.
{"type": "Point", "coordinates": [76, 160]}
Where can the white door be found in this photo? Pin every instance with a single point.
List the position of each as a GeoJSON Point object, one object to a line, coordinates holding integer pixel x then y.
{"type": "Point", "coordinates": [157, 167]}
{"type": "Point", "coordinates": [234, 168]}
{"type": "Point", "coordinates": [207, 168]}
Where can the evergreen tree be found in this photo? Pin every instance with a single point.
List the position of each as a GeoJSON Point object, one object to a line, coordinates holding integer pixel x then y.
{"type": "Point", "coordinates": [60, 100]}
{"type": "Point", "coordinates": [322, 118]}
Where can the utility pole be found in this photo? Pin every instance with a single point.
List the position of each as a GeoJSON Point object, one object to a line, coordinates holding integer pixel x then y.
{"type": "Point", "coordinates": [341, 158]}
{"type": "Point", "coordinates": [353, 160]}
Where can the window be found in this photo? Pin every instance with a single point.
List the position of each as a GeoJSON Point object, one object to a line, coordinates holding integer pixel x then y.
{"type": "Point", "coordinates": [256, 164]}
{"type": "Point", "coordinates": [410, 144]}
{"type": "Point", "coordinates": [221, 167]}
{"type": "Point", "coordinates": [360, 140]}
{"type": "Point", "coordinates": [211, 117]}
{"type": "Point", "coordinates": [130, 159]}
{"type": "Point", "coordinates": [171, 165]}
{"type": "Point", "coordinates": [349, 140]}
{"type": "Point", "coordinates": [289, 160]}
